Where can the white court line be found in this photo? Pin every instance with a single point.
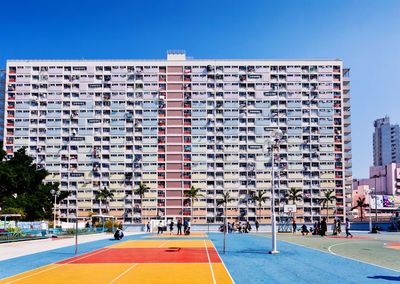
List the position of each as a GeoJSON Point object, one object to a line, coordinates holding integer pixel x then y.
{"type": "Point", "coordinates": [55, 266]}
{"type": "Point", "coordinates": [230, 276]}
{"type": "Point", "coordinates": [339, 244]}
{"type": "Point", "coordinates": [338, 255]}
{"type": "Point", "coordinates": [160, 246]}
{"type": "Point", "coordinates": [123, 273]}
{"type": "Point", "coordinates": [209, 262]}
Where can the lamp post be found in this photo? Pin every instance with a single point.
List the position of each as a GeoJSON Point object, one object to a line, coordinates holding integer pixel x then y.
{"type": "Point", "coordinates": [376, 197]}
{"type": "Point", "coordinates": [275, 139]}
{"type": "Point", "coordinates": [55, 193]}
{"type": "Point", "coordinates": [370, 209]}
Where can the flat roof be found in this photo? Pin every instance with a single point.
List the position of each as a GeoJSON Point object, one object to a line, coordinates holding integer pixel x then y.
{"type": "Point", "coordinates": [188, 60]}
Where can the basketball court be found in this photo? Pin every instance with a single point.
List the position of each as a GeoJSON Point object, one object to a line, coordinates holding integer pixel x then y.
{"type": "Point", "coordinates": [146, 260]}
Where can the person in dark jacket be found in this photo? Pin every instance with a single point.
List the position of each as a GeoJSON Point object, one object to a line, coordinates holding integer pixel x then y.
{"type": "Point", "coordinates": [179, 226]}
{"type": "Point", "coordinates": [160, 228]}
{"type": "Point", "coordinates": [171, 227]}
{"type": "Point", "coordinates": [324, 227]}
{"type": "Point", "coordinates": [294, 226]}
{"type": "Point", "coordinates": [185, 226]}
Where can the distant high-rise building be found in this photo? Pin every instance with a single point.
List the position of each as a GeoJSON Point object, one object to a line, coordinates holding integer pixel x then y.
{"type": "Point", "coordinates": [386, 141]}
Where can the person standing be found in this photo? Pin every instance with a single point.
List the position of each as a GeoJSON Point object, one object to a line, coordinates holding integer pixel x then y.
{"type": "Point", "coordinates": [324, 227]}
{"type": "Point", "coordinates": [347, 224]}
{"type": "Point", "coordinates": [185, 226]}
{"type": "Point", "coordinates": [43, 228]}
{"type": "Point", "coordinates": [148, 227]}
{"type": "Point", "coordinates": [257, 226]}
{"type": "Point", "coordinates": [171, 227]}
{"type": "Point", "coordinates": [160, 228]}
{"type": "Point", "coordinates": [339, 227]}
{"type": "Point", "coordinates": [294, 226]}
{"type": "Point", "coordinates": [179, 226]}
{"type": "Point", "coordinates": [314, 231]}
{"type": "Point", "coordinates": [334, 228]}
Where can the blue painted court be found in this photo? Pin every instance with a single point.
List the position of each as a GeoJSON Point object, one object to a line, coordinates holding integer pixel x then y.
{"type": "Point", "coordinates": [246, 260]}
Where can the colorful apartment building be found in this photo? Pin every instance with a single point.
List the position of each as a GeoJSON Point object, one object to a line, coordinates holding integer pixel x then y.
{"type": "Point", "coordinates": [180, 122]}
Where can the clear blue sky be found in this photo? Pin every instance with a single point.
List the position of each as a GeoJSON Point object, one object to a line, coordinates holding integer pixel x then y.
{"type": "Point", "coordinates": [365, 34]}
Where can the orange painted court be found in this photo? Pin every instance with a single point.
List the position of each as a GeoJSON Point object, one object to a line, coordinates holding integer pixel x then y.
{"type": "Point", "coordinates": [155, 259]}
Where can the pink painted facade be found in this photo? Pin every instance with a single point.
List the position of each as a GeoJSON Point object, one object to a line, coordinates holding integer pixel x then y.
{"type": "Point", "coordinates": [386, 179]}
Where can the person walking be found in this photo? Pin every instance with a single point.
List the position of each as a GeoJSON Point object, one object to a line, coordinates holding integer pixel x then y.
{"type": "Point", "coordinates": [294, 226]}
{"type": "Point", "coordinates": [148, 227]}
{"type": "Point", "coordinates": [347, 224]}
{"type": "Point", "coordinates": [179, 227]}
{"type": "Point", "coordinates": [171, 227]}
{"type": "Point", "coordinates": [324, 227]}
{"type": "Point", "coordinates": [160, 228]}
{"type": "Point", "coordinates": [187, 232]}
{"type": "Point", "coordinates": [185, 226]}
{"type": "Point", "coordinates": [257, 226]}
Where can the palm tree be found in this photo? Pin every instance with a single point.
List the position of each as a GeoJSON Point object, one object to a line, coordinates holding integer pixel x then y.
{"type": "Point", "coordinates": [104, 195]}
{"type": "Point", "coordinates": [193, 194]}
{"type": "Point", "coordinates": [141, 190]}
{"type": "Point", "coordinates": [328, 198]}
{"type": "Point", "coordinates": [226, 198]}
{"type": "Point", "coordinates": [260, 198]}
{"type": "Point", "coordinates": [361, 205]}
{"type": "Point", "coordinates": [294, 194]}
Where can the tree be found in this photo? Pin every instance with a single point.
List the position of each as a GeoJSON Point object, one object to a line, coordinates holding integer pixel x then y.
{"type": "Point", "coordinates": [260, 198]}
{"type": "Point", "coordinates": [294, 194]}
{"type": "Point", "coordinates": [193, 194]}
{"type": "Point", "coordinates": [141, 190]}
{"type": "Point", "coordinates": [360, 204]}
{"type": "Point", "coordinates": [226, 198]}
{"type": "Point", "coordinates": [2, 152]}
{"type": "Point", "coordinates": [327, 199]}
{"type": "Point", "coordinates": [105, 195]}
{"type": "Point", "coordinates": [22, 188]}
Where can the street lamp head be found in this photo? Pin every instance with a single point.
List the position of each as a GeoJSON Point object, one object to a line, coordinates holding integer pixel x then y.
{"type": "Point", "coordinates": [53, 192]}
{"type": "Point", "coordinates": [277, 134]}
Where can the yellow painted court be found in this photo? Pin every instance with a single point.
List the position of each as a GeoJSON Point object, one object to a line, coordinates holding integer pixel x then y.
{"type": "Point", "coordinates": [137, 261]}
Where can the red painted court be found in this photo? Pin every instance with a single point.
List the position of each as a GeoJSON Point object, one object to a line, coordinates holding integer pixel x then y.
{"type": "Point", "coordinates": [148, 255]}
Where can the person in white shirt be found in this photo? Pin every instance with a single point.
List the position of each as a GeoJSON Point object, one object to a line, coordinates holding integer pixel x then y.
{"type": "Point", "coordinates": [43, 228]}
{"type": "Point", "coordinates": [348, 228]}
